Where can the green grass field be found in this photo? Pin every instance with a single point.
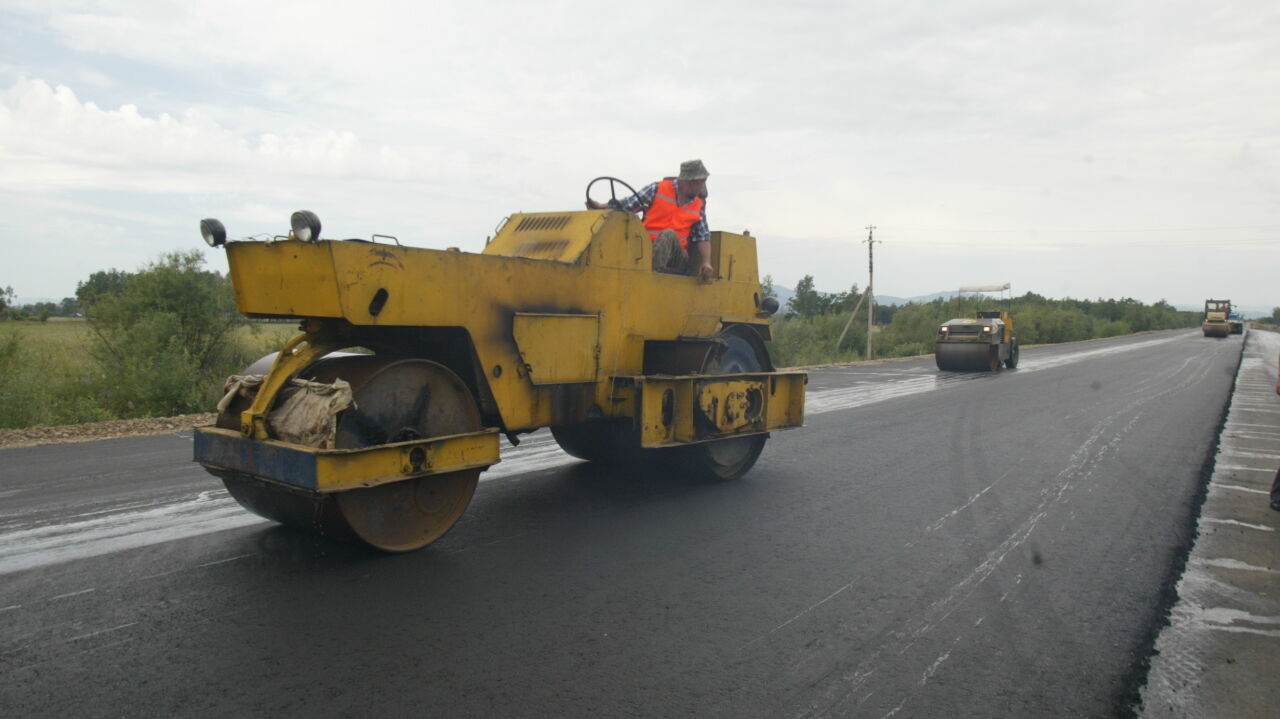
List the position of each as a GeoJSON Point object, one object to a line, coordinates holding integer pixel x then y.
{"type": "Point", "coordinates": [47, 375]}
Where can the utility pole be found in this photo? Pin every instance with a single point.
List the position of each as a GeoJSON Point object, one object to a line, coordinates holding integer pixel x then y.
{"type": "Point", "coordinates": [871, 295]}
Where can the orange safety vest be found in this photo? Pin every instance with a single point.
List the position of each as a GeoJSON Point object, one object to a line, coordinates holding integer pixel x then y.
{"type": "Point", "coordinates": [665, 214]}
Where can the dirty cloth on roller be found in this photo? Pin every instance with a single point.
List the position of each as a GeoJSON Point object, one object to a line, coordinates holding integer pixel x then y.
{"type": "Point", "coordinates": [306, 411]}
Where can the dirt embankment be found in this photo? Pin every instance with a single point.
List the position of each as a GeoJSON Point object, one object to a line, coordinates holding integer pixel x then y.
{"type": "Point", "coordinates": [40, 434]}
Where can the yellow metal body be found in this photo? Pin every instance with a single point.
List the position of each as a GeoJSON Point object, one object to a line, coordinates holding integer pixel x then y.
{"type": "Point", "coordinates": [684, 410]}
{"type": "Point", "coordinates": [1216, 318]}
{"type": "Point", "coordinates": [338, 470]}
{"type": "Point", "coordinates": [560, 322]}
{"type": "Point", "coordinates": [556, 309]}
{"type": "Point", "coordinates": [1007, 319]}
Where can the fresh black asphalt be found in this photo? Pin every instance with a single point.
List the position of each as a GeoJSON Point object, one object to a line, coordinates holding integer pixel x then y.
{"type": "Point", "coordinates": [972, 546]}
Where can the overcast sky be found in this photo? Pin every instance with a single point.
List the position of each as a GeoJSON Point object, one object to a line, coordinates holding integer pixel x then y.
{"type": "Point", "coordinates": [1082, 149]}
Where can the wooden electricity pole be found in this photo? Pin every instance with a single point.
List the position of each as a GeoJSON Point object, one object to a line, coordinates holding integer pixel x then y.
{"type": "Point", "coordinates": [871, 273]}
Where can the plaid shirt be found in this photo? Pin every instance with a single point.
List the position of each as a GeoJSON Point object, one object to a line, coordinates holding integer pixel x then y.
{"type": "Point", "coordinates": [641, 201]}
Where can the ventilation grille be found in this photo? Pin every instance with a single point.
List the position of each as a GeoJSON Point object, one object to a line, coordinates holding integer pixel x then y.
{"type": "Point", "coordinates": [541, 249]}
{"type": "Point", "coordinates": [542, 222]}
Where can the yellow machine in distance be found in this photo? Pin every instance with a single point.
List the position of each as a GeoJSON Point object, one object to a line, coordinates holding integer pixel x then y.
{"type": "Point", "coordinates": [1216, 318]}
{"type": "Point", "coordinates": [559, 323]}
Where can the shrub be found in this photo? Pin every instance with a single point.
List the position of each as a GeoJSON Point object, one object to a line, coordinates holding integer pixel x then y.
{"type": "Point", "coordinates": [163, 341]}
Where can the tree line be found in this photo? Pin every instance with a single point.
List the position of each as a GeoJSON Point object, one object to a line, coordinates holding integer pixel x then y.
{"type": "Point", "coordinates": [162, 339]}
{"type": "Point", "coordinates": [808, 330]}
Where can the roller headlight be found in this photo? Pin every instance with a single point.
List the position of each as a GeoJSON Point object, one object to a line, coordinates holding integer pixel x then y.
{"type": "Point", "coordinates": [305, 226]}
{"type": "Point", "coordinates": [213, 232]}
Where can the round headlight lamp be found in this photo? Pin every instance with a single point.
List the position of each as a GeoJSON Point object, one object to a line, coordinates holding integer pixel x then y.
{"type": "Point", "coordinates": [305, 226]}
{"type": "Point", "coordinates": [213, 232]}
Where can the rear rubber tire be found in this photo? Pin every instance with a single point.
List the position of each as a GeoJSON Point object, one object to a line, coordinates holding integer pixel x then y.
{"type": "Point", "coordinates": [725, 459]}
{"type": "Point", "coordinates": [605, 441]}
{"type": "Point", "coordinates": [618, 442]}
{"type": "Point", "coordinates": [1012, 362]}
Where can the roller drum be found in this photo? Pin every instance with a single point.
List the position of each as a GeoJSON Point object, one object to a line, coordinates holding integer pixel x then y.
{"type": "Point", "coordinates": [966, 357]}
{"type": "Point", "coordinates": [395, 400]}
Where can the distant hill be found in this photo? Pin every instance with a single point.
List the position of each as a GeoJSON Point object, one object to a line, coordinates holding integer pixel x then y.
{"type": "Point", "coordinates": [918, 299]}
{"type": "Point", "coordinates": [785, 294]}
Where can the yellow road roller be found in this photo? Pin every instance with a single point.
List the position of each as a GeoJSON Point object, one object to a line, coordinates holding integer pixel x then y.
{"type": "Point", "coordinates": [1216, 323]}
{"type": "Point", "coordinates": [375, 421]}
{"type": "Point", "coordinates": [981, 344]}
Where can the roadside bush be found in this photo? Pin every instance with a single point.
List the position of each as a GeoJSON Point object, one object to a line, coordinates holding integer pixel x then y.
{"type": "Point", "coordinates": [1112, 329]}
{"type": "Point", "coordinates": [163, 341]}
{"type": "Point", "coordinates": [804, 341]}
{"type": "Point", "coordinates": [910, 349]}
{"type": "Point", "coordinates": [43, 384]}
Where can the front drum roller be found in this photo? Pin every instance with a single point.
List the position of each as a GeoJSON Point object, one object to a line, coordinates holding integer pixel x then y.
{"type": "Point", "coordinates": [396, 400]}
{"type": "Point", "coordinates": [966, 357]}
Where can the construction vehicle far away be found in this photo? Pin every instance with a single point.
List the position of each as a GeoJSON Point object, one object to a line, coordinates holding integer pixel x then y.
{"type": "Point", "coordinates": [1215, 322]}
{"type": "Point", "coordinates": [1236, 321]}
{"type": "Point", "coordinates": [981, 344]}
{"type": "Point", "coordinates": [559, 322]}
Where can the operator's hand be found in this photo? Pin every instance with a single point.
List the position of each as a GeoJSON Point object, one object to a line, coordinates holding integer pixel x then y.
{"type": "Point", "coordinates": [706, 273]}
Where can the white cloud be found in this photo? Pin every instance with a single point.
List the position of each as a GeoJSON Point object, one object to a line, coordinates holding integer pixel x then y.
{"type": "Point", "coordinates": [1019, 132]}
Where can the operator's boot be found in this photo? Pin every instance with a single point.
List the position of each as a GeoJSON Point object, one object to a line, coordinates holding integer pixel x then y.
{"type": "Point", "coordinates": [668, 255]}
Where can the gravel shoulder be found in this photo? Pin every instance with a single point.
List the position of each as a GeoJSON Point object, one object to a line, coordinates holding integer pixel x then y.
{"type": "Point", "coordinates": [113, 429]}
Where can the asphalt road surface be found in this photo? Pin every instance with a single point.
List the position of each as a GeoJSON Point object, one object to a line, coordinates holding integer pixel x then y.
{"type": "Point", "coordinates": [931, 544]}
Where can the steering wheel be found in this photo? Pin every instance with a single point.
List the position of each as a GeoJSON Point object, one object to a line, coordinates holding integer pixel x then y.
{"type": "Point", "coordinates": [613, 203]}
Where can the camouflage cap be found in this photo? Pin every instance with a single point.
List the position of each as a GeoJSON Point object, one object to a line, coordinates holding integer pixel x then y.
{"type": "Point", "coordinates": [691, 170]}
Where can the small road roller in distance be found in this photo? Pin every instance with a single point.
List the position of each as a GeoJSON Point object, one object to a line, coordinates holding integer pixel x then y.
{"type": "Point", "coordinates": [417, 360]}
{"type": "Point", "coordinates": [982, 344]}
{"type": "Point", "coordinates": [1215, 318]}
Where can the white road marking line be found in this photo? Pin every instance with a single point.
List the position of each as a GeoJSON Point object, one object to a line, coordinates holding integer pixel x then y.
{"type": "Point", "coordinates": [228, 559]}
{"type": "Point", "coordinates": [1237, 488]}
{"type": "Point", "coordinates": [1240, 454]}
{"type": "Point", "coordinates": [1213, 520]}
{"type": "Point", "coordinates": [101, 631]}
{"type": "Point", "coordinates": [1233, 564]}
{"type": "Point", "coordinates": [1242, 468]}
{"type": "Point", "coordinates": [1223, 619]}
{"type": "Point", "coordinates": [74, 594]}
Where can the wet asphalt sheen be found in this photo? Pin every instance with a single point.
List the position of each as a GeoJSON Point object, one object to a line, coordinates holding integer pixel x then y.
{"type": "Point", "coordinates": [929, 545]}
